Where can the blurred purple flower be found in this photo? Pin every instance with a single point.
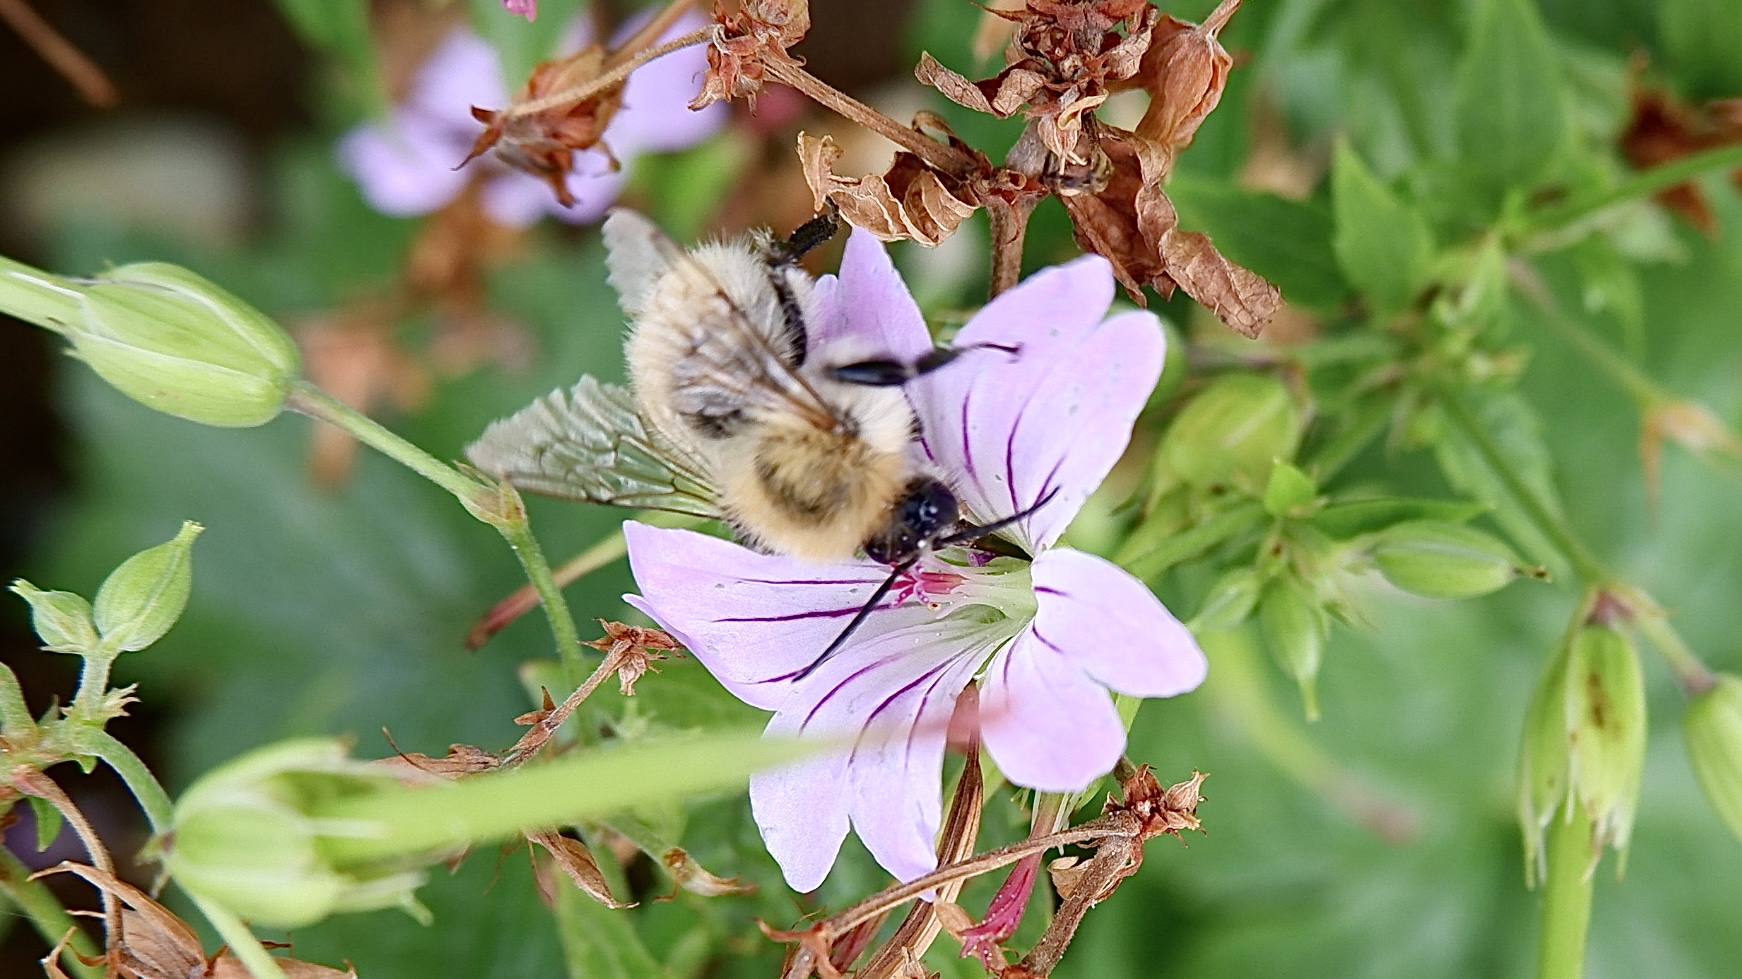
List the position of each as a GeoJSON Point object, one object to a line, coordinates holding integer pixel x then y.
{"type": "Point", "coordinates": [525, 8]}
{"type": "Point", "coordinates": [1047, 639]}
{"type": "Point", "coordinates": [406, 166]}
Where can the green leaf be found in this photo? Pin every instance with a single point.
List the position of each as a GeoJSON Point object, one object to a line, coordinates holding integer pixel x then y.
{"type": "Point", "coordinates": [1287, 242]}
{"type": "Point", "coordinates": [1511, 105]}
{"type": "Point", "coordinates": [600, 942]}
{"type": "Point", "coordinates": [1341, 521]}
{"type": "Point", "coordinates": [1703, 39]}
{"type": "Point", "coordinates": [1288, 490]}
{"type": "Point", "coordinates": [1384, 247]}
{"type": "Point", "coordinates": [341, 28]}
{"type": "Point", "coordinates": [48, 822]}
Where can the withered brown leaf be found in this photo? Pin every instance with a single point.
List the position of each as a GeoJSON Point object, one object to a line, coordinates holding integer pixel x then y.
{"type": "Point", "coordinates": [908, 201]}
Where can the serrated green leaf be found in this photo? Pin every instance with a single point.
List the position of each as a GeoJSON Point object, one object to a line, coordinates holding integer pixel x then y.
{"type": "Point", "coordinates": [1510, 105]}
{"type": "Point", "coordinates": [1383, 246]}
{"type": "Point", "coordinates": [1287, 242]}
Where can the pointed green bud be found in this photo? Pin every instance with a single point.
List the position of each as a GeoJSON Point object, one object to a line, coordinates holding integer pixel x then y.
{"type": "Point", "coordinates": [176, 342]}
{"type": "Point", "coordinates": [242, 837]}
{"type": "Point", "coordinates": [1713, 730]}
{"type": "Point", "coordinates": [1229, 603]}
{"type": "Point", "coordinates": [61, 619]}
{"type": "Point", "coordinates": [1295, 627]}
{"type": "Point", "coordinates": [1289, 493]}
{"type": "Point", "coordinates": [1544, 766]}
{"type": "Point", "coordinates": [143, 597]}
{"type": "Point", "coordinates": [1606, 727]}
{"type": "Point", "coordinates": [1232, 432]}
{"type": "Point", "coordinates": [1439, 559]}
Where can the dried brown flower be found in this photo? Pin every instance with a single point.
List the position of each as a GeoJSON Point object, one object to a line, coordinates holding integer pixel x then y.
{"type": "Point", "coordinates": [1662, 128]}
{"type": "Point", "coordinates": [541, 130]}
{"type": "Point", "coordinates": [752, 34]}
{"type": "Point", "coordinates": [908, 201]}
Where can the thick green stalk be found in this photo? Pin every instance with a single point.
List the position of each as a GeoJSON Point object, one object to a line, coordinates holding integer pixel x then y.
{"type": "Point", "coordinates": [1584, 563]}
{"type": "Point", "coordinates": [234, 931]}
{"type": "Point", "coordinates": [153, 800]}
{"type": "Point", "coordinates": [36, 902]}
{"type": "Point", "coordinates": [1566, 899]}
{"type": "Point", "coordinates": [36, 296]}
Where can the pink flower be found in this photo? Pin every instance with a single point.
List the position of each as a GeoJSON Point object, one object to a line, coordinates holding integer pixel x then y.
{"type": "Point", "coordinates": [525, 8]}
{"type": "Point", "coordinates": [1047, 638]}
{"type": "Point", "coordinates": [406, 166]}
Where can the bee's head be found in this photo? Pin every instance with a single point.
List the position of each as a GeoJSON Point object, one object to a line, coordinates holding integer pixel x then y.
{"type": "Point", "coordinates": [925, 511]}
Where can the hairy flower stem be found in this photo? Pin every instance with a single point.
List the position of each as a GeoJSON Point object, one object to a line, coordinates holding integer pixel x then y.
{"type": "Point", "coordinates": [32, 782]}
{"type": "Point", "coordinates": [1618, 368]}
{"type": "Point", "coordinates": [146, 790]}
{"type": "Point", "coordinates": [1566, 900]}
{"type": "Point", "coordinates": [72, 64]}
{"type": "Point", "coordinates": [1643, 184]}
{"type": "Point", "coordinates": [495, 504]}
{"type": "Point", "coordinates": [547, 726]}
{"type": "Point", "coordinates": [935, 154]}
{"type": "Point", "coordinates": [1009, 224]}
{"type": "Point", "coordinates": [35, 901]}
{"type": "Point", "coordinates": [1584, 563]}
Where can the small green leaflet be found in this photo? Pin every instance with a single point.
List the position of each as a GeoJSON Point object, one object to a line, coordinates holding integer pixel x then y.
{"type": "Point", "coordinates": [589, 444]}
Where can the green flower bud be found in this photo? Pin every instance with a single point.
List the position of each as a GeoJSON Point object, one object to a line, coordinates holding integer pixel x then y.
{"type": "Point", "coordinates": [1233, 431]}
{"type": "Point", "coordinates": [1289, 491]}
{"type": "Point", "coordinates": [242, 838]}
{"type": "Point", "coordinates": [1584, 735]}
{"type": "Point", "coordinates": [143, 597]}
{"type": "Point", "coordinates": [61, 619]}
{"type": "Point", "coordinates": [174, 341]}
{"type": "Point", "coordinates": [1437, 559]}
{"type": "Point", "coordinates": [1295, 627]}
{"type": "Point", "coordinates": [1713, 729]}
{"type": "Point", "coordinates": [1606, 727]}
{"type": "Point", "coordinates": [1229, 603]}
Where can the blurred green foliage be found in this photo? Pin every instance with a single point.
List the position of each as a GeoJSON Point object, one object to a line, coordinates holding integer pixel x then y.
{"type": "Point", "coordinates": [1380, 841]}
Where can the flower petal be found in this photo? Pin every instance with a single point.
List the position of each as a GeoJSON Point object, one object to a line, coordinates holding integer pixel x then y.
{"type": "Point", "coordinates": [754, 620]}
{"type": "Point", "coordinates": [1112, 627]}
{"type": "Point", "coordinates": [801, 810]}
{"type": "Point", "coordinates": [463, 71]}
{"type": "Point", "coordinates": [1057, 415]}
{"type": "Point", "coordinates": [874, 314]}
{"type": "Point", "coordinates": [402, 170]}
{"type": "Point", "coordinates": [1045, 722]}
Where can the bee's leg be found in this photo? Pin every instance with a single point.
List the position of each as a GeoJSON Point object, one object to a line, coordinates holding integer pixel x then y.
{"type": "Point", "coordinates": [858, 620]}
{"type": "Point", "coordinates": [812, 233]}
{"type": "Point", "coordinates": [890, 373]}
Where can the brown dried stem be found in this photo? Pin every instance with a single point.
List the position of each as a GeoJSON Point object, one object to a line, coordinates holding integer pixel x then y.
{"type": "Point", "coordinates": [1009, 226]}
{"type": "Point", "coordinates": [937, 155]}
{"type": "Point", "coordinates": [610, 79]}
{"type": "Point", "coordinates": [94, 86]}
{"type": "Point", "coordinates": [32, 782]}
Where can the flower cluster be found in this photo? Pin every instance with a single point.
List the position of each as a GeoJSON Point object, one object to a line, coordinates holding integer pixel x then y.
{"type": "Point", "coordinates": [1047, 636]}
{"type": "Point", "coordinates": [410, 164]}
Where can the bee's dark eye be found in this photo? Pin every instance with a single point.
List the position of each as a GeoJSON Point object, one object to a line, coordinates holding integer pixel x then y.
{"type": "Point", "coordinates": [925, 513]}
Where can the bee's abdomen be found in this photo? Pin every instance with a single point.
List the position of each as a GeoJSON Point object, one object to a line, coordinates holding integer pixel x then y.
{"type": "Point", "coordinates": [815, 494]}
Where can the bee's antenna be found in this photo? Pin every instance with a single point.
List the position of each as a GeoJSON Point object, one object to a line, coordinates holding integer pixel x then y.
{"type": "Point", "coordinates": [959, 537]}
{"type": "Point", "coordinates": [857, 621]}
{"type": "Point", "coordinates": [972, 532]}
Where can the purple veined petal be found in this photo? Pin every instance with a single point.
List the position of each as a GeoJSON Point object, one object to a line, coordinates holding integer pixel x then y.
{"type": "Point", "coordinates": [1112, 627]}
{"type": "Point", "coordinates": [463, 71]}
{"type": "Point", "coordinates": [655, 116]}
{"type": "Point", "coordinates": [801, 810]}
{"type": "Point", "coordinates": [896, 768]}
{"type": "Point", "coordinates": [1058, 415]}
{"type": "Point", "coordinates": [1044, 721]}
{"type": "Point", "coordinates": [755, 620]}
{"type": "Point", "coordinates": [874, 313]}
{"type": "Point", "coordinates": [401, 170]}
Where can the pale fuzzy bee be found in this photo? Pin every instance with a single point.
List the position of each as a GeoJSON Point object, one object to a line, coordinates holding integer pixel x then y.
{"type": "Point", "coordinates": [812, 453]}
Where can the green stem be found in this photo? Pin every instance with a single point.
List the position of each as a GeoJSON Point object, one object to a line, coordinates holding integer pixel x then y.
{"type": "Point", "coordinates": [1566, 899]}
{"type": "Point", "coordinates": [1620, 370]}
{"type": "Point", "coordinates": [51, 921]}
{"type": "Point", "coordinates": [1643, 184]}
{"type": "Point", "coordinates": [36, 296]}
{"type": "Point", "coordinates": [1145, 555]}
{"type": "Point", "coordinates": [153, 800]}
{"type": "Point", "coordinates": [93, 685]}
{"type": "Point", "coordinates": [1364, 425]}
{"type": "Point", "coordinates": [1691, 673]}
{"type": "Point", "coordinates": [1583, 562]}
{"type": "Point", "coordinates": [241, 941]}
{"type": "Point", "coordinates": [496, 505]}
{"type": "Point", "coordinates": [16, 724]}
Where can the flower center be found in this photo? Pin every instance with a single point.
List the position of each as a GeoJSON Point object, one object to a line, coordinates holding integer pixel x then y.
{"type": "Point", "coordinates": [998, 592]}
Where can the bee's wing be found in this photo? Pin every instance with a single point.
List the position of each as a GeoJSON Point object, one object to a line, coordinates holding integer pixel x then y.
{"type": "Point", "coordinates": [587, 443]}
{"type": "Point", "coordinates": [733, 357]}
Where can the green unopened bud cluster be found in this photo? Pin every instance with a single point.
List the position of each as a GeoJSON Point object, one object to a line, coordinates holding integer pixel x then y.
{"type": "Point", "coordinates": [1584, 739]}
{"type": "Point", "coordinates": [246, 837]}
{"type": "Point", "coordinates": [165, 337]}
{"type": "Point", "coordinates": [135, 605]}
{"type": "Point", "coordinates": [1712, 728]}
